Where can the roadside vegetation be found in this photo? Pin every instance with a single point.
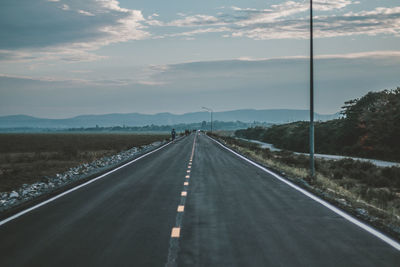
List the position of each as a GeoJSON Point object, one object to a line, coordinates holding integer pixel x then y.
{"type": "Point", "coordinates": [28, 158]}
{"type": "Point", "coordinates": [181, 127]}
{"type": "Point", "coordinates": [369, 127]}
{"type": "Point", "coordinates": [369, 192]}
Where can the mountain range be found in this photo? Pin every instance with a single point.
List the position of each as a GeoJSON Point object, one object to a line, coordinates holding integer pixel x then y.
{"type": "Point", "coordinates": [138, 119]}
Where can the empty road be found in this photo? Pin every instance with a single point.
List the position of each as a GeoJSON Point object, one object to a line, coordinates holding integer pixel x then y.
{"type": "Point", "coordinates": [191, 203]}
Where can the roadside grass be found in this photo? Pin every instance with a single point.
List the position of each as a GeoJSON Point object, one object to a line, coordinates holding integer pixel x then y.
{"type": "Point", "coordinates": [29, 158]}
{"type": "Point", "coordinates": [227, 133]}
{"type": "Point", "coordinates": [369, 192]}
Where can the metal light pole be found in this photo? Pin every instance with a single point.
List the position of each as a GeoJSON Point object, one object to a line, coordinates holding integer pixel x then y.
{"type": "Point", "coordinates": [211, 112]}
{"type": "Point", "coordinates": [312, 164]}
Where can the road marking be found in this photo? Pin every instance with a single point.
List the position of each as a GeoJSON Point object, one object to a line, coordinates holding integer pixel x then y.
{"type": "Point", "coordinates": [343, 214]}
{"type": "Point", "coordinates": [77, 187]}
{"type": "Point", "coordinates": [181, 208]}
{"type": "Point", "coordinates": [176, 232]}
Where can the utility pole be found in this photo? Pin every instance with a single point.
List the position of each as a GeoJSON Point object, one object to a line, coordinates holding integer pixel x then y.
{"type": "Point", "coordinates": [211, 121]}
{"type": "Point", "coordinates": [312, 164]}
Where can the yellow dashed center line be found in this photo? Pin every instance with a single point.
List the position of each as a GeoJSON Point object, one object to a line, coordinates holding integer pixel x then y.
{"type": "Point", "coordinates": [176, 231]}
{"type": "Point", "coordinates": [181, 208]}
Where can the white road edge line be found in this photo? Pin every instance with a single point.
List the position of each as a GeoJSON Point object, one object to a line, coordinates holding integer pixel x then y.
{"type": "Point", "coordinates": [77, 187]}
{"type": "Point", "coordinates": [346, 216]}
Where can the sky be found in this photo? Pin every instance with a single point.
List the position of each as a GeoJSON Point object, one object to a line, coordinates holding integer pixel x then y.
{"type": "Point", "coordinates": [63, 58]}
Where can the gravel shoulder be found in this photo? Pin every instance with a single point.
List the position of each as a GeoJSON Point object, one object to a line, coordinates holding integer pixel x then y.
{"type": "Point", "coordinates": [31, 194]}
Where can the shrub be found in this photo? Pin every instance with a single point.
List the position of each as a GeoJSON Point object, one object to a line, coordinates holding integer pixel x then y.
{"type": "Point", "coordinates": [337, 174]}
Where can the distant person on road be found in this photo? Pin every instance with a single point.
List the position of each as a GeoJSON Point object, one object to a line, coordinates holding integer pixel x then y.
{"type": "Point", "coordinates": [173, 134]}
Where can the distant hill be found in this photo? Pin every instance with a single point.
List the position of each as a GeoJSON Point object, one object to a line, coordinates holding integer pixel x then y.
{"type": "Point", "coordinates": [137, 119]}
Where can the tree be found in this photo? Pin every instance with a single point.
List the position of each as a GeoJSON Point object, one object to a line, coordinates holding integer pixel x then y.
{"type": "Point", "coordinates": [203, 125]}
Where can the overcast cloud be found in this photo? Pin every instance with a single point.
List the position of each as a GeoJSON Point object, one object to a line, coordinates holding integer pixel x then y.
{"type": "Point", "coordinates": [67, 57]}
{"type": "Point", "coordinates": [68, 27]}
{"type": "Point", "coordinates": [228, 84]}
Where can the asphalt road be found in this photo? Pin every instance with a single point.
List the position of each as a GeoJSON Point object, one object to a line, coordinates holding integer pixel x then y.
{"type": "Point", "coordinates": [232, 214]}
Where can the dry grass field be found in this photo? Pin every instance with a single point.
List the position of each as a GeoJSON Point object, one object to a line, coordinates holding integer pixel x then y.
{"type": "Point", "coordinates": [27, 158]}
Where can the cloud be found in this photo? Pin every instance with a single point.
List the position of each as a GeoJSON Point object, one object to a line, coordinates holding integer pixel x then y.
{"type": "Point", "coordinates": [83, 12]}
{"type": "Point", "coordinates": [338, 78]}
{"type": "Point", "coordinates": [374, 55]}
{"type": "Point", "coordinates": [248, 16]}
{"type": "Point", "coordinates": [289, 20]}
{"type": "Point", "coordinates": [327, 5]}
{"type": "Point", "coordinates": [157, 75]}
{"type": "Point", "coordinates": [379, 55]}
{"type": "Point", "coordinates": [187, 21]}
{"type": "Point", "coordinates": [371, 23]}
{"type": "Point", "coordinates": [15, 56]}
{"type": "Point", "coordinates": [154, 15]}
{"type": "Point", "coordinates": [40, 27]}
{"type": "Point", "coordinates": [72, 30]}
{"type": "Point", "coordinates": [81, 71]}
{"type": "Point", "coordinates": [220, 84]}
{"type": "Point", "coordinates": [287, 9]}
{"type": "Point", "coordinates": [68, 55]}
{"type": "Point", "coordinates": [197, 32]}
{"type": "Point", "coordinates": [65, 7]}
{"type": "Point", "coordinates": [47, 81]}
{"type": "Point", "coordinates": [242, 71]}
{"type": "Point", "coordinates": [141, 75]}
{"type": "Point", "coordinates": [272, 24]}
{"type": "Point", "coordinates": [196, 20]}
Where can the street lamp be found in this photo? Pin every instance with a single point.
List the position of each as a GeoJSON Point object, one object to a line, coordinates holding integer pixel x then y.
{"type": "Point", "coordinates": [211, 112]}
{"type": "Point", "coordinates": [312, 164]}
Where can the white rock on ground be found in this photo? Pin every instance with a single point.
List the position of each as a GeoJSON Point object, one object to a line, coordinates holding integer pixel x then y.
{"type": "Point", "coordinates": [27, 192]}
{"type": "Point", "coordinates": [14, 194]}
